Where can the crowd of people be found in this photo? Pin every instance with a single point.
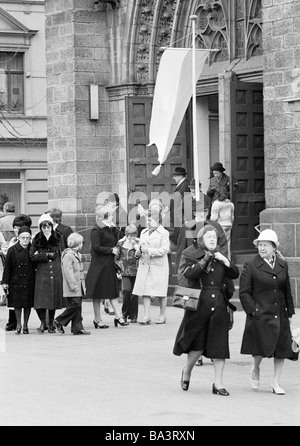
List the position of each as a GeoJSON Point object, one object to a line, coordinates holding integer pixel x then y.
{"type": "Point", "coordinates": [44, 271]}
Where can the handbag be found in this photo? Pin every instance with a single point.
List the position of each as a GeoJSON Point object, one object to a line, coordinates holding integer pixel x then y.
{"type": "Point", "coordinates": [3, 297]}
{"type": "Point", "coordinates": [186, 298]}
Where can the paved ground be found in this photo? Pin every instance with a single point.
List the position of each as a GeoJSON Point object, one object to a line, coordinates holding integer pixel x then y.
{"type": "Point", "coordinates": [128, 376]}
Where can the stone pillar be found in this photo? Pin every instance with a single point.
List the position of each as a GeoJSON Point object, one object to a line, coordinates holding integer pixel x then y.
{"type": "Point", "coordinates": [281, 48]}
{"type": "Point", "coordinates": [79, 149]}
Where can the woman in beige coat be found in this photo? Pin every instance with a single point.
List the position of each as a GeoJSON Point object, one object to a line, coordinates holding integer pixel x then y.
{"type": "Point", "coordinates": [153, 271]}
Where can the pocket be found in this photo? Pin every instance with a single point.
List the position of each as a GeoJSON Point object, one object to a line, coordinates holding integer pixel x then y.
{"type": "Point", "coordinates": [157, 261]}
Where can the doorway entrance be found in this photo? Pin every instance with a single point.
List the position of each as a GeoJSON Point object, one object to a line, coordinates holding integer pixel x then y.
{"type": "Point", "coordinates": [247, 162]}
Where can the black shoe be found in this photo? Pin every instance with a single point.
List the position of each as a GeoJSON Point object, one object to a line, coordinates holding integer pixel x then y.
{"type": "Point", "coordinates": [59, 327]}
{"type": "Point", "coordinates": [18, 330]}
{"type": "Point", "coordinates": [51, 328]}
{"type": "Point", "coordinates": [97, 325]}
{"type": "Point", "coordinates": [184, 384]}
{"type": "Point", "coordinates": [25, 331]}
{"type": "Point", "coordinates": [222, 392]}
{"type": "Point", "coordinates": [10, 327]}
{"type": "Point", "coordinates": [121, 322]}
{"type": "Point", "coordinates": [82, 332]}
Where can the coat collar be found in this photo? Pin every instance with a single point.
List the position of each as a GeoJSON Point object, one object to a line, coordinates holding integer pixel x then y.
{"type": "Point", "coordinates": [262, 265]}
{"type": "Point", "coordinates": [158, 230]}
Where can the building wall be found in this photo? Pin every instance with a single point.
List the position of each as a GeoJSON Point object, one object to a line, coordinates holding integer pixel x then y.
{"type": "Point", "coordinates": [23, 145]}
{"type": "Point", "coordinates": [281, 52]}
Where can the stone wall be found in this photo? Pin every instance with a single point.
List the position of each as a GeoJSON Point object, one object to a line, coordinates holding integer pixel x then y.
{"type": "Point", "coordinates": [79, 149]}
{"type": "Point", "coordinates": [281, 53]}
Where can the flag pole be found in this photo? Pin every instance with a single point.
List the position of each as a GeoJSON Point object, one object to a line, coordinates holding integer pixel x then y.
{"type": "Point", "coordinates": [193, 18]}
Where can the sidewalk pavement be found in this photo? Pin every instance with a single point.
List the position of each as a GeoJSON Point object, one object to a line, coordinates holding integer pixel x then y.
{"type": "Point", "coordinates": [128, 376]}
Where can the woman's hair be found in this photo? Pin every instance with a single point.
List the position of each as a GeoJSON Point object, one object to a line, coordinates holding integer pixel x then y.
{"type": "Point", "coordinates": [156, 214]}
{"type": "Point", "coordinates": [74, 240]}
{"type": "Point", "coordinates": [103, 212]}
{"type": "Point", "coordinates": [131, 229]}
{"type": "Point", "coordinates": [22, 220]}
{"type": "Point", "coordinates": [223, 195]}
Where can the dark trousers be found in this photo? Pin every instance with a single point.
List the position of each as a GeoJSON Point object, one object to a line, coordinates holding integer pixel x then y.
{"type": "Point", "coordinates": [130, 301]}
{"type": "Point", "coordinates": [12, 320]}
{"type": "Point", "coordinates": [73, 314]}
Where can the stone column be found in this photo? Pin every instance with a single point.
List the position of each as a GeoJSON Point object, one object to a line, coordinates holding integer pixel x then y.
{"type": "Point", "coordinates": [281, 46]}
{"type": "Point", "coordinates": [79, 149]}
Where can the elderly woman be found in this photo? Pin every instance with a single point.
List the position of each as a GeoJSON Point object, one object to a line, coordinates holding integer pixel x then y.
{"type": "Point", "coordinates": [45, 252]}
{"type": "Point", "coordinates": [265, 294]}
{"type": "Point", "coordinates": [18, 278]}
{"type": "Point", "coordinates": [101, 279]}
{"type": "Point", "coordinates": [152, 277]}
{"type": "Point", "coordinates": [205, 331]}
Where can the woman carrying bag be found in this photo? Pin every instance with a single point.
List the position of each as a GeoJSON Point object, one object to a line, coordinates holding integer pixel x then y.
{"type": "Point", "coordinates": [205, 331]}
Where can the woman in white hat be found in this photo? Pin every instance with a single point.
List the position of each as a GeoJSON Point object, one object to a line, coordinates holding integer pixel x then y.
{"type": "Point", "coordinates": [45, 252]}
{"type": "Point", "coordinates": [266, 297]}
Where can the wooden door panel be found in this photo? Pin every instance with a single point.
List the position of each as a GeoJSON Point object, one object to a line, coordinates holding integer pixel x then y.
{"type": "Point", "coordinates": [248, 187]}
{"type": "Point", "coordinates": [142, 159]}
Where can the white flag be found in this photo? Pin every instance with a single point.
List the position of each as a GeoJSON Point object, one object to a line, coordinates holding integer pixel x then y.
{"type": "Point", "coordinates": [172, 94]}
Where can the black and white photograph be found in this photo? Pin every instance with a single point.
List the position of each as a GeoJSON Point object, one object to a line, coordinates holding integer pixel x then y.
{"type": "Point", "coordinates": [149, 215]}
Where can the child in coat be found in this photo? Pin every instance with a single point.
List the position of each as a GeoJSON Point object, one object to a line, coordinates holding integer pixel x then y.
{"type": "Point", "coordinates": [73, 287]}
{"type": "Point", "coordinates": [127, 255]}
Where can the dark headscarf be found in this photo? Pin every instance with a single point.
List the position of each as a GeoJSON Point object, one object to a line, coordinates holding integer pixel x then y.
{"type": "Point", "coordinates": [202, 245]}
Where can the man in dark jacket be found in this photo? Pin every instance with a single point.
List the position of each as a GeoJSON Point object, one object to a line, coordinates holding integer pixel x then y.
{"type": "Point", "coordinates": [64, 230]}
{"type": "Point", "coordinates": [179, 208]}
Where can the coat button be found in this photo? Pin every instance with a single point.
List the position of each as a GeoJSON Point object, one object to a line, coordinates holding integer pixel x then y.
{"type": "Point", "coordinates": [212, 283]}
{"type": "Point", "coordinates": [212, 309]}
{"type": "Point", "coordinates": [274, 277]}
{"type": "Point", "coordinates": [213, 295]}
{"type": "Point", "coordinates": [276, 317]}
{"type": "Point", "coordinates": [212, 270]}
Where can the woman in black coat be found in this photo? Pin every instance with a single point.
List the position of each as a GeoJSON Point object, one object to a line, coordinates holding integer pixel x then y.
{"type": "Point", "coordinates": [205, 331]}
{"type": "Point", "coordinates": [45, 252]}
{"type": "Point", "coordinates": [101, 280]}
{"type": "Point", "coordinates": [18, 278]}
{"type": "Point", "coordinates": [265, 294]}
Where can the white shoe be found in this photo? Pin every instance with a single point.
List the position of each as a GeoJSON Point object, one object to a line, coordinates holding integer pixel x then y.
{"type": "Point", "coordinates": [278, 390]}
{"type": "Point", "coordinates": [254, 382]}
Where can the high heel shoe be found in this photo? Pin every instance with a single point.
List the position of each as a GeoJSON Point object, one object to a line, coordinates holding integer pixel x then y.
{"type": "Point", "coordinates": [97, 325]}
{"type": "Point", "coordinates": [254, 382]}
{"type": "Point", "coordinates": [184, 384]}
{"type": "Point", "coordinates": [25, 331]}
{"type": "Point", "coordinates": [18, 330]}
{"type": "Point", "coordinates": [278, 390]}
{"type": "Point", "coordinates": [51, 328]}
{"type": "Point", "coordinates": [120, 321]}
{"type": "Point", "coordinates": [222, 392]}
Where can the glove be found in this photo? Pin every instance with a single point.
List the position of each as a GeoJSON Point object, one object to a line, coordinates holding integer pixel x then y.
{"type": "Point", "coordinates": [208, 256]}
{"type": "Point", "coordinates": [204, 261]}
